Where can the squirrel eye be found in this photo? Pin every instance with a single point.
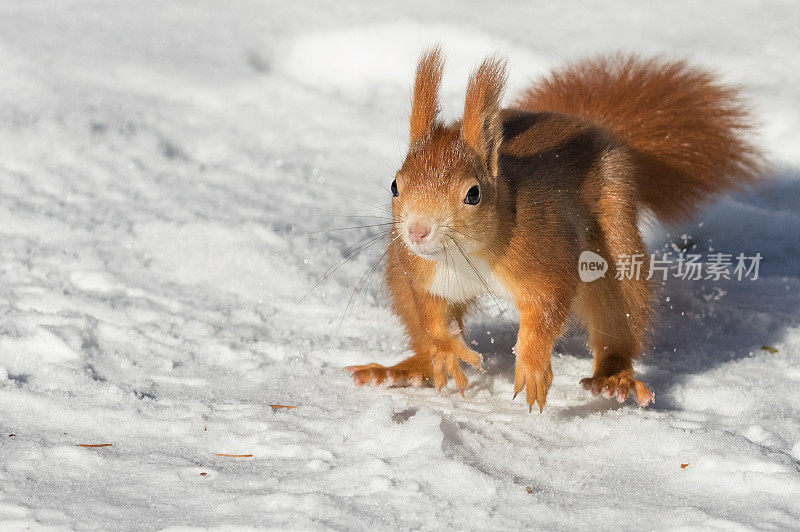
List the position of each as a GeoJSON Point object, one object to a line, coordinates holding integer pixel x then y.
{"type": "Point", "coordinates": [394, 188]}
{"type": "Point", "coordinates": [473, 196]}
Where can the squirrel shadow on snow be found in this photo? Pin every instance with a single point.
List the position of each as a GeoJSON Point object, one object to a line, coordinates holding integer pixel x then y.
{"type": "Point", "coordinates": [698, 325]}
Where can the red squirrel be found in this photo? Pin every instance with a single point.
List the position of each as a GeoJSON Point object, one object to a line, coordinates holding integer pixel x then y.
{"type": "Point", "coordinates": [505, 200]}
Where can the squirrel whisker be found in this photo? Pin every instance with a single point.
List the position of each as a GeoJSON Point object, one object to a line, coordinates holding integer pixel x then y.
{"type": "Point", "coordinates": [350, 254]}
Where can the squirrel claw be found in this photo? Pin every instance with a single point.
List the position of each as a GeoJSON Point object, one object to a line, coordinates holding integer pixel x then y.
{"type": "Point", "coordinates": [646, 399]}
{"type": "Point", "coordinates": [535, 380]}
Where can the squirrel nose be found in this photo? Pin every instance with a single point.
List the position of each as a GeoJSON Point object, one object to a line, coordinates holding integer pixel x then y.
{"type": "Point", "coordinates": [418, 231]}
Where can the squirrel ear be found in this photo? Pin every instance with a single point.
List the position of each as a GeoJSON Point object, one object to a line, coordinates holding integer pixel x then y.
{"type": "Point", "coordinates": [482, 128]}
{"type": "Point", "coordinates": [425, 100]}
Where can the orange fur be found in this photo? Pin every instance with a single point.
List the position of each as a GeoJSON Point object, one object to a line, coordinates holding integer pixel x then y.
{"type": "Point", "coordinates": [481, 127]}
{"type": "Point", "coordinates": [686, 129]}
{"type": "Point", "coordinates": [425, 98]}
{"type": "Point", "coordinates": [565, 171]}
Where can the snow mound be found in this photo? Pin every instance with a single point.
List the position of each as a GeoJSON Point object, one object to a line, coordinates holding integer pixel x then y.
{"type": "Point", "coordinates": [382, 57]}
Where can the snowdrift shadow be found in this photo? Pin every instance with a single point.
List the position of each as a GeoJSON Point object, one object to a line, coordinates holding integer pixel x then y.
{"type": "Point", "coordinates": [700, 325]}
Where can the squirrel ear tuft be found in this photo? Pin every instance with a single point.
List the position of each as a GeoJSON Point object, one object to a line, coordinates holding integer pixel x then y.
{"type": "Point", "coordinates": [425, 99]}
{"type": "Point", "coordinates": [482, 128]}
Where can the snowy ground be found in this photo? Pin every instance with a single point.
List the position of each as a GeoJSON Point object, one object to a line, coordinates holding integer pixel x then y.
{"type": "Point", "coordinates": [157, 164]}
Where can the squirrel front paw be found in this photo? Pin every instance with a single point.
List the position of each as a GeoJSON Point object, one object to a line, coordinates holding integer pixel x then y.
{"type": "Point", "coordinates": [414, 371]}
{"type": "Point", "coordinates": [445, 362]}
{"type": "Point", "coordinates": [398, 375]}
{"type": "Point", "coordinates": [536, 377]}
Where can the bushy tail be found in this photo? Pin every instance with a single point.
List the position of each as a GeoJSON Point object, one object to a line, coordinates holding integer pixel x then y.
{"type": "Point", "coordinates": [688, 131]}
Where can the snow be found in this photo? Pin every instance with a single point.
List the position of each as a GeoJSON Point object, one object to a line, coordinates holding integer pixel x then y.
{"type": "Point", "coordinates": [160, 162]}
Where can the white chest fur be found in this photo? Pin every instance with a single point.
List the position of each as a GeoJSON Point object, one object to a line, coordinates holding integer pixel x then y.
{"type": "Point", "coordinates": [457, 280]}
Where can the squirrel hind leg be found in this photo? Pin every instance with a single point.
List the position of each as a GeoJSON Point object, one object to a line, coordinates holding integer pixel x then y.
{"type": "Point", "coordinates": [616, 336]}
{"type": "Point", "coordinates": [616, 312]}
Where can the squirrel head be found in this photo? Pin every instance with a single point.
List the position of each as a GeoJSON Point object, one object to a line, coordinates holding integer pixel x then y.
{"type": "Point", "coordinates": [445, 193]}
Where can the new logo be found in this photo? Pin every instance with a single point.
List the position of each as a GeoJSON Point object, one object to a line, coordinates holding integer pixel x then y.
{"type": "Point", "coordinates": [591, 266]}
